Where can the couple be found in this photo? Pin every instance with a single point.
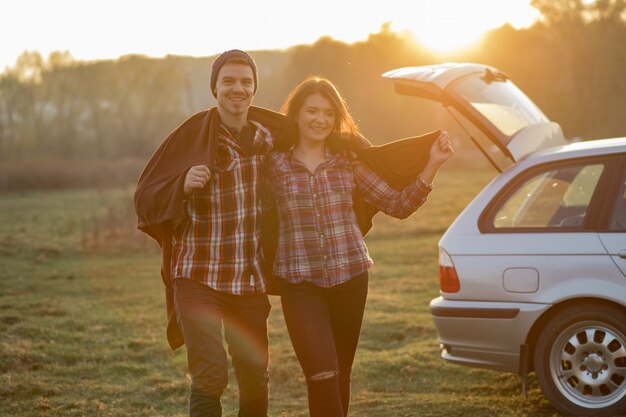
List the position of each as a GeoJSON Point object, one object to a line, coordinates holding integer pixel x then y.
{"type": "Point", "coordinates": [200, 197]}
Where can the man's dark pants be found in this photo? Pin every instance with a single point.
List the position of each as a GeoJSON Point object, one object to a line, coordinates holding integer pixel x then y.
{"type": "Point", "coordinates": [201, 312]}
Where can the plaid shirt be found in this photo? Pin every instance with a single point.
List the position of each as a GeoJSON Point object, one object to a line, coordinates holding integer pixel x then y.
{"type": "Point", "coordinates": [218, 243]}
{"type": "Point", "coordinates": [319, 238]}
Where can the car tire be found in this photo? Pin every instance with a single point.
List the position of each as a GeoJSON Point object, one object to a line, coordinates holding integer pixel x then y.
{"type": "Point", "coordinates": [580, 360]}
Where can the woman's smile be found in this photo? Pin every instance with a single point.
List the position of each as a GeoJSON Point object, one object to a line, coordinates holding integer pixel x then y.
{"type": "Point", "coordinates": [316, 118]}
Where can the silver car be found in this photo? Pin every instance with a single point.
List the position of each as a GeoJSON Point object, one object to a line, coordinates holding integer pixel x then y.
{"type": "Point", "coordinates": [533, 271]}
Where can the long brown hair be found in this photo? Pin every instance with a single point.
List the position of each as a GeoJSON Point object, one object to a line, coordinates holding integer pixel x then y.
{"type": "Point", "coordinates": [344, 123]}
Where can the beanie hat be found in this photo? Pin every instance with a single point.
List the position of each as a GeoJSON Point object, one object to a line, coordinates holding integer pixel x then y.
{"type": "Point", "coordinates": [224, 57]}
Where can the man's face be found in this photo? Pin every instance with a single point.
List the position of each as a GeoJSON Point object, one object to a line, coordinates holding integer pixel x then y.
{"type": "Point", "coordinates": [234, 88]}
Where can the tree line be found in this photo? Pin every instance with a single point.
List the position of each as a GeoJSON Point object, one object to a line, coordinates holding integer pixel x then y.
{"type": "Point", "coordinates": [57, 113]}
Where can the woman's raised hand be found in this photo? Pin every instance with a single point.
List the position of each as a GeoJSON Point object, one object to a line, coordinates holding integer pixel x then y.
{"type": "Point", "coordinates": [441, 150]}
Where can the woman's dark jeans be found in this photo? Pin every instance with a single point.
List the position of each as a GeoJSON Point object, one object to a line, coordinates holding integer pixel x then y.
{"type": "Point", "coordinates": [324, 326]}
{"type": "Point", "coordinates": [201, 311]}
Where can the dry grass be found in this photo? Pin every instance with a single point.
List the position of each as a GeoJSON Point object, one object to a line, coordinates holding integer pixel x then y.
{"type": "Point", "coordinates": [82, 319]}
{"type": "Point", "coordinates": [62, 173]}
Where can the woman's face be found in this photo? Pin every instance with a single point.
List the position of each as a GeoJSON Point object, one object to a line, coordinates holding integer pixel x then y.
{"type": "Point", "coordinates": [316, 118]}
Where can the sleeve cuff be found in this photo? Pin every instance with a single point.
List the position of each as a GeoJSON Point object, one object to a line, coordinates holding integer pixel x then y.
{"type": "Point", "coordinates": [426, 188]}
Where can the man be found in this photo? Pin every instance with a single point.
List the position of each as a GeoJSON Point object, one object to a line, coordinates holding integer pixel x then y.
{"type": "Point", "coordinates": [199, 198]}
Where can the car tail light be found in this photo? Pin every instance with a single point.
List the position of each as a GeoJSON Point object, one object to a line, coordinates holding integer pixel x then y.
{"type": "Point", "coordinates": [448, 279]}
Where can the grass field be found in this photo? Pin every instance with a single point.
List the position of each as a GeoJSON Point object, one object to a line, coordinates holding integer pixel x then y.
{"type": "Point", "coordinates": [82, 319]}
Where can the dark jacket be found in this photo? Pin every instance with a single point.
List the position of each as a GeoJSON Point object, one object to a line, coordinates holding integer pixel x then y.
{"type": "Point", "coordinates": [159, 197]}
{"type": "Point", "coordinates": [398, 163]}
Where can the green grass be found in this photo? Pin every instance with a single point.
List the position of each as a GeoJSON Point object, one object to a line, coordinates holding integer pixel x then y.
{"type": "Point", "coordinates": [82, 319]}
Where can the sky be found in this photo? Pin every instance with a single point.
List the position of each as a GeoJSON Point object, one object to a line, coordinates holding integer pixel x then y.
{"type": "Point", "coordinates": [98, 29]}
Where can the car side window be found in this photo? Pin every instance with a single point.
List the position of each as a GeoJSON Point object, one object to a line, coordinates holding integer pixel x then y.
{"type": "Point", "coordinates": [557, 198]}
{"type": "Point", "coordinates": [618, 219]}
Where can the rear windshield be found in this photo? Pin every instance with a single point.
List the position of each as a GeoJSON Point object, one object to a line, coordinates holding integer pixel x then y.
{"type": "Point", "coordinates": [500, 102]}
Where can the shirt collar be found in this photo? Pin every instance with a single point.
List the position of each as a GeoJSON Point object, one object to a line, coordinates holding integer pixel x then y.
{"type": "Point", "coordinates": [262, 141]}
{"type": "Point", "coordinates": [328, 155]}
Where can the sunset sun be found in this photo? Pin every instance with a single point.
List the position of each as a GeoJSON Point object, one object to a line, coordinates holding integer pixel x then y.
{"type": "Point", "coordinates": [448, 38]}
{"type": "Point", "coordinates": [446, 27]}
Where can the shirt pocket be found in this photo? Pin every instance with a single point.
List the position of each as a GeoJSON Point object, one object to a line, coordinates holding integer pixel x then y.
{"type": "Point", "coordinates": [339, 180]}
{"type": "Point", "coordinates": [286, 185]}
{"type": "Point", "coordinates": [227, 164]}
{"type": "Point", "coordinates": [228, 177]}
{"type": "Point", "coordinates": [227, 159]}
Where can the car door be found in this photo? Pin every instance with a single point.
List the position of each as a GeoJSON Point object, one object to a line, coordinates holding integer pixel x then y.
{"type": "Point", "coordinates": [614, 237]}
{"type": "Point", "coordinates": [539, 240]}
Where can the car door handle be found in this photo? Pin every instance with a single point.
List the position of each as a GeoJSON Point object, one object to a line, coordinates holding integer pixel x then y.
{"type": "Point", "coordinates": [622, 253]}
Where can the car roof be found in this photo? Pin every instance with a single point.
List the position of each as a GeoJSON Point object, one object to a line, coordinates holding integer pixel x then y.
{"type": "Point", "coordinates": [579, 149]}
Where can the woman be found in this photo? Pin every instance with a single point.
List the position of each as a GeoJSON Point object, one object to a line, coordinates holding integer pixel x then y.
{"type": "Point", "coordinates": [322, 260]}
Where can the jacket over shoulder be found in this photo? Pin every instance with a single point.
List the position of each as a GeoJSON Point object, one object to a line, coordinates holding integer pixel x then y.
{"type": "Point", "coordinates": [159, 196]}
{"type": "Point", "coordinates": [398, 163]}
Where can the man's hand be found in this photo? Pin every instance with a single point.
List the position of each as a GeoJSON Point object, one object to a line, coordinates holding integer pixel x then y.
{"type": "Point", "coordinates": [196, 178]}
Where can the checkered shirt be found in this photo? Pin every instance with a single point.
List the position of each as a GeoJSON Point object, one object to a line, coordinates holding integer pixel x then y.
{"type": "Point", "coordinates": [319, 238]}
{"type": "Point", "coordinates": [218, 243]}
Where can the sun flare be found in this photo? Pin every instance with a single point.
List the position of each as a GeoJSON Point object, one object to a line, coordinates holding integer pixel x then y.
{"type": "Point", "coordinates": [439, 38]}
{"type": "Point", "coordinates": [451, 26]}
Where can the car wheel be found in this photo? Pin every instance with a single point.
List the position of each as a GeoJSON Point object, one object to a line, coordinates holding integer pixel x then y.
{"type": "Point", "coordinates": [580, 360]}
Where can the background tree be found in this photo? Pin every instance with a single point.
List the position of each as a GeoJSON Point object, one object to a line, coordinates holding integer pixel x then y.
{"type": "Point", "coordinates": [61, 115]}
